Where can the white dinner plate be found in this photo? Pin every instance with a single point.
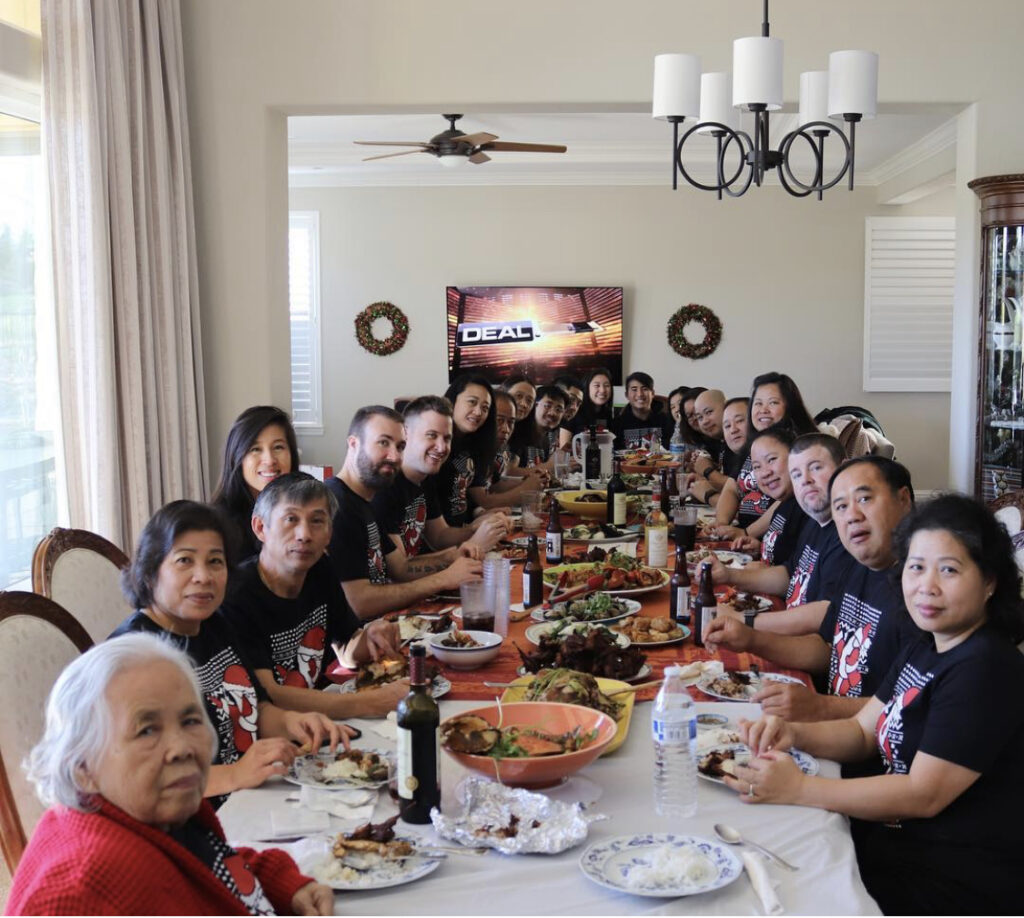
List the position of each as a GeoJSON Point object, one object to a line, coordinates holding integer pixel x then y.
{"type": "Point", "coordinates": [632, 607]}
{"type": "Point", "coordinates": [763, 604]}
{"type": "Point", "coordinates": [736, 559]}
{"type": "Point", "coordinates": [611, 863]}
{"type": "Point", "coordinates": [306, 769]}
{"type": "Point", "coordinates": [704, 685]}
{"type": "Point", "coordinates": [438, 688]}
{"type": "Point", "coordinates": [535, 632]}
{"type": "Point", "coordinates": [397, 873]}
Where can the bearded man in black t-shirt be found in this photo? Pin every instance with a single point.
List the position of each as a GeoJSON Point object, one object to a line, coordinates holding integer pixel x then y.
{"type": "Point", "coordinates": [865, 626]}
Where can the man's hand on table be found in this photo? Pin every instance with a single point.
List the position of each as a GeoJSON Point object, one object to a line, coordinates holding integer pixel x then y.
{"type": "Point", "coordinates": [381, 701]}
{"type": "Point", "coordinates": [460, 571]}
{"type": "Point", "coordinates": [492, 528]}
{"type": "Point", "coordinates": [790, 701]}
{"type": "Point", "coordinates": [729, 633]}
{"type": "Point", "coordinates": [746, 543]}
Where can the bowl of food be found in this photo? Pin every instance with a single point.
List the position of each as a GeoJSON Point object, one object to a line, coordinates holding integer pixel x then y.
{"type": "Point", "coordinates": [527, 743]}
{"type": "Point", "coordinates": [589, 504]}
{"type": "Point", "coordinates": [465, 649]}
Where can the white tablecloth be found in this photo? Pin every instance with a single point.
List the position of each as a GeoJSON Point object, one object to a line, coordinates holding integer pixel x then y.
{"type": "Point", "coordinates": [817, 841]}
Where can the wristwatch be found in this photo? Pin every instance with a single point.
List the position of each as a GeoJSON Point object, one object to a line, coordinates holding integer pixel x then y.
{"type": "Point", "coordinates": [748, 618]}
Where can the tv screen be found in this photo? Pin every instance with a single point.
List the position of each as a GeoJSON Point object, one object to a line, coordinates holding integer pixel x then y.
{"type": "Point", "coordinates": [542, 332]}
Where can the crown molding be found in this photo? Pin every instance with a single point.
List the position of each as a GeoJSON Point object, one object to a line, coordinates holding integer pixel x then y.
{"type": "Point", "coordinates": [942, 138]}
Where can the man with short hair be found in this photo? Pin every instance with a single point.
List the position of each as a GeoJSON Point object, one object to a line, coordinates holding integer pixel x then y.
{"type": "Point", "coordinates": [709, 475]}
{"type": "Point", "coordinates": [358, 549]}
{"type": "Point", "coordinates": [864, 626]}
{"type": "Point", "coordinates": [548, 412]}
{"type": "Point", "coordinates": [289, 611]}
{"type": "Point", "coordinates": [641, 419]}
{"type": "Point", "coordinates": [410, 510]}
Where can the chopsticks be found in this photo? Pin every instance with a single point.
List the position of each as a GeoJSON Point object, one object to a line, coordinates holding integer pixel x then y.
{"type": "Point", "coordinates": [635, 688]}
{"type": "Point", "coordinates": [593, 584]}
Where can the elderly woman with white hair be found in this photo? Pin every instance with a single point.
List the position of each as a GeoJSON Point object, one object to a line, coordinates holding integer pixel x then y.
{"type": "Point", "coordinates": [122, 766]}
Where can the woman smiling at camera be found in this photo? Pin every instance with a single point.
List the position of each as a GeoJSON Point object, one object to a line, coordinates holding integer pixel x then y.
{"type": "Point", "coordinates": [122, 765]}
{"type": "Point", "coordinates": [942, 830]}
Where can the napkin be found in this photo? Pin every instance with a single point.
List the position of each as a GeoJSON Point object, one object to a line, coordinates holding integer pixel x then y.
{"type": "Point", "coordinates": [289, 821]}
{"type": "Point", "coordinates": [757, 870]}
{"type": "Point", "coordinates": [702, 668]}
{"type": "Point", "coordinates": [356, 804]}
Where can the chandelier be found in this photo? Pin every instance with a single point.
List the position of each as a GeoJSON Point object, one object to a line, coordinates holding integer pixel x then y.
{"type": "Point", "coordinates": [848, 90]}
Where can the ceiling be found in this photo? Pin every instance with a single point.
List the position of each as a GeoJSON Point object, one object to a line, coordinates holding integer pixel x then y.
{"type": "Point", "coordinates": [605, 148]}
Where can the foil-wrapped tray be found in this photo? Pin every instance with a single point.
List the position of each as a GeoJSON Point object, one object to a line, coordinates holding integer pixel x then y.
{"type": "Point", "coordinates": [513, 820]}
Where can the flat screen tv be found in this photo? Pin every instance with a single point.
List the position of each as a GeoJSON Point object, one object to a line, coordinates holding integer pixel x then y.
{"type": "Point", "coordinates": [542, 332]}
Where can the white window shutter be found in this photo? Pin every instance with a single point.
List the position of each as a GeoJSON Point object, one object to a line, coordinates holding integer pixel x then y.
{"type": "Point", "coordinates": [304, 313]}
{"type": "Point", "coordinates": [908, 304]}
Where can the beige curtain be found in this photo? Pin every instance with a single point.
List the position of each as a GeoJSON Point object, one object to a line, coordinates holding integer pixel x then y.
{"type": "Point", "coordinates": [124, 252]}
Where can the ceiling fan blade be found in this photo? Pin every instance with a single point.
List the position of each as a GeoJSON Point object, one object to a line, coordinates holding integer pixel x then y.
{"type": "Point", "coordinates": [477, 138]}
{"type": "Point", "coordinates": [366, 159]}
{"type": "Point", "coordinates": [526, 147]}
{"type": "Point", "coordinates": [392, 143]}
{"type": "Point", "coordinates": [479, 157]}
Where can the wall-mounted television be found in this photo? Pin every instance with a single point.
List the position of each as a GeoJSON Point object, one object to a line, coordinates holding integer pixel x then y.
{"type": "Point", "coordinates": [542, 332]}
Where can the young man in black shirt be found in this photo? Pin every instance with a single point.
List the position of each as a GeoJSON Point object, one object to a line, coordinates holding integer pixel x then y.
{"type": "Point", "coordinates": [865, 626]}
{"type": "Point", "coordinates": [358, 549]}
{"type": "Point", "coordinates": [641, 419]}
{"type": "Point", "coordinates": [290, 613]}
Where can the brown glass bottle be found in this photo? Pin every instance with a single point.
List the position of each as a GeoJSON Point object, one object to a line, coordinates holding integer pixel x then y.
{"type": "Point", "coordinates": [679, 590]}
{"type": "Point", "coordinates": [554, 535]}
{"type": "Point", "coordinates": [704, 604]}
{"type": "Point", "coordinates": [616, 496]}
{"type": "Point", "coordinates": [666, 496]}
{"type": "Point", "coordinates": [533, 576]}
{"type": "Point", "coordinates": [419, 776]}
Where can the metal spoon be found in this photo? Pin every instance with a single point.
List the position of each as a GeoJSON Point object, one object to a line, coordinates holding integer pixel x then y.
{"type": "Point", "coordinates": [731, 837]}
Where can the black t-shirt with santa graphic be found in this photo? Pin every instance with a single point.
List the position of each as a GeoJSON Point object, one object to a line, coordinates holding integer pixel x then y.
{"type": "Point", "coordinates": [866, 626]}
{"type": "Point", "coordinates": [358, 547]}
{"type": "Point", "coordinates": [963, 706]}
{"type": "Point", "coordinates": [782, 536]}
{"type": "Point", "coordinates": [632, 433]}
{"type": "Point", "coordinates": [405, 508]}
{"type": "Point", "coordinates": [815, 563]}
{"type": "Point", "coordinates": [231, 691]}
{"type": "Point", "coordinates": [752, 502]}
{"type": "Point", "coordinates": [453, 483]}
{"type": "Point", "coordinates": [290, 637]}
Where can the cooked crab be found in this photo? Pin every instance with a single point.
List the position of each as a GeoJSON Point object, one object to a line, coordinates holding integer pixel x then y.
{"type": "Point", "coordinates": [469, 734]}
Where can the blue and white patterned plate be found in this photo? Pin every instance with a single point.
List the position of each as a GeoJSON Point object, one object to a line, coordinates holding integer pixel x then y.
{"type": "Point", "coordinates": [610, 864]}
{"type": "Point", "coordinates": [806, 762]}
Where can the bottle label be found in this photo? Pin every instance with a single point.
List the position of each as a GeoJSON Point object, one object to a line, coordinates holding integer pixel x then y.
{"type": "Point", "coordinates": [528, 598]}
{"type": "Point", "coordinates": [619, 510]}
{"type": "Point", "coordinates": [657, 546]}
{"type": "Point", "coordinates": [682, 604]}
{"type": "Point", "coordinates": [554, 546]}
{"type": "Point", "coordinates": [673, 734]}
{"type": "Point", "coordinates": [408, 780]}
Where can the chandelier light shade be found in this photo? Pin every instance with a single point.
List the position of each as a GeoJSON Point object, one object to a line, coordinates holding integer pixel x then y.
{"type": "Point", "coordinates": [843, 95]}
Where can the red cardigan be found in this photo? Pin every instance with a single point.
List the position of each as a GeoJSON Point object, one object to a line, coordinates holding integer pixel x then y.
{"type": "Point", "coordinates": [106, 863]}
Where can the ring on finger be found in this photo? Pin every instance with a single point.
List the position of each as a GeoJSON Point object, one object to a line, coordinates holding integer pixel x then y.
{"type": "Point", "coordinates": [750, 792]}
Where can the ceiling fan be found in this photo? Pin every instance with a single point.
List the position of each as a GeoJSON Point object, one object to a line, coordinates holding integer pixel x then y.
{"type": "Point", "coordinates": [454, 147]}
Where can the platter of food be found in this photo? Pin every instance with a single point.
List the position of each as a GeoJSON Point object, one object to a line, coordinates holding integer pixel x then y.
{"type": "Point", "coordinates": [734, 559]}
{"type": "Point", "coordinates": [420, 625]}
{"type": "Point", "coordinates": [743, 601]}
{"type": "Point", "coordinates": [625, 576]}
{"type": "Point", "coordinates": [740, 686]}
{"type": "Point", "coordinates": [597, 653]}
{"type": "Point", "coordinates": [717, 761]}
{"type": "Point", "coordinates": [570, 687]}
{"type": "Point", "coordinates": [390, 669]}
{"type": "Point", "coordinates": [598, 533]}
{"type": "Point", "coordinates": [371, 857]}
{"type": "Point", "coordinates": [664, 866]}
{"type": "Point", "coordinates": [652, 632]}
{"type": "Point", "coordinates": [509, 550]}
{"type": "Point", "coordinates": [561, 630]}
{"type": "Point", "coordinates": [597, 607]}
{"type": "Point", "coordinates": [340, 769]}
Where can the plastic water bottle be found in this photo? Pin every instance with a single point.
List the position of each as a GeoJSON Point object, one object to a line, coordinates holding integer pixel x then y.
{"type": "Point", "coordinates": [677, 444]}
{"type": "Point", "coordinates": [674, 727]}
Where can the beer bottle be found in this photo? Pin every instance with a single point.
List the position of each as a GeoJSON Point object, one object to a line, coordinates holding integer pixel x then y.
{"type": "Point", "coordinates": [705, 603]}
{"type": "Point", "coordinates": [533, 576]}
{"type": "Point", "coordinates": [666, 496]}
{"type": "Point", "coordinates": [679, 587]}
{"type": "Point", "coordinates": [616, 496]}
{"type": "Point", "coordinates": [554, 534]}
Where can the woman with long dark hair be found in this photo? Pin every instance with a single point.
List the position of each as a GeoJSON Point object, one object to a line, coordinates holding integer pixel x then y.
{"type": "Point", "coordinates": [939, 831]}
{"type": "Point", "coordinates": [260, 447]}
{"type": "Point", "coordinates": [597, 401]}
{"type": "Point", "coordinates": [473, 446]}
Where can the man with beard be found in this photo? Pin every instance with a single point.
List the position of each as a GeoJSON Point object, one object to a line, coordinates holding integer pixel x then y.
{"type": "Point", "coordinates": [807, 577]}
{"type": "Point", "coordinates": [410, 510]}
{"type": "Point", "coordinates": [865, 625]}
{"type": "Point", "coordinates": [358, 549]}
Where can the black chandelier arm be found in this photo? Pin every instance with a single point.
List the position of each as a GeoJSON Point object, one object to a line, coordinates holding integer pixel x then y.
{"type": "Point", "coordinates": [728, 189]}
{"type": "Point", "coordinates": [741, 138]}
{"type": "Point", "coordinates": [805, 131]}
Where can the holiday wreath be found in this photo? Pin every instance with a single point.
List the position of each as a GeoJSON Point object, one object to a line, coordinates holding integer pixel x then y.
{"type": "Point", "coordinates": [702, 316]}
{"type": "Point", "coordinates": [399, 328]}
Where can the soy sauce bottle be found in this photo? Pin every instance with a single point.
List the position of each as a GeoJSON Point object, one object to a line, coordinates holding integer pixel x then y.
{"type": "Point", "coordinates": [419, 777]}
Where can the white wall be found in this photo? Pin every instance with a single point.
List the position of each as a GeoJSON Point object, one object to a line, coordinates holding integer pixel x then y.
{"type": "Point", "coordinates": [252, 62]}
{"type": "Point", "coordinates": [788, 289]}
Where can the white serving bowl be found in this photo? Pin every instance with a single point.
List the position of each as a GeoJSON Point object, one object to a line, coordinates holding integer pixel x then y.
{"type": "Point", "coordinates": [467, 657]}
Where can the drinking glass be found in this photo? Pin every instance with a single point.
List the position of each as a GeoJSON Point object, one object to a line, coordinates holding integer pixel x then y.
{"type": "Point", "coordinates": [532, 503]}
{"type": "Point", "coordinates": [562, 465]}
{"type": "Point", "coordinates": [477, 606]}
{"type": "Point", "coordinates": [685, 520]}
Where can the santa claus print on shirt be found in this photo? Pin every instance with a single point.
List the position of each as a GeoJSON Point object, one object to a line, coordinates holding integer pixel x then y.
{"type": "Point", "coordinates": [797, 592]}
{"type": "Point", "coordinates": [856, 625]}
{"type": "Point", "coordinates": [237, 708]}
{"type": "Point", "coordinates": [413, 523]}
{"type": "Point", "coordinates": [889, 727]}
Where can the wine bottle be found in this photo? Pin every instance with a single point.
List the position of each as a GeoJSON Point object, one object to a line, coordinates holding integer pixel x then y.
{"type": "Point", "coordinates": [656, 532]}
{"type": "Point", "coordinates": [616, 496]}
{"type": "Point", "coordinates": [419, 776]}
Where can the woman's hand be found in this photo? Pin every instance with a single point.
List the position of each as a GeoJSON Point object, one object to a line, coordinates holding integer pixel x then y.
{"type": "Point", "coordinates": [263, 759]}
{"type": "Point", "coordinates": [727, 532]}
{"type": "Point", "coordinates": [378, 639]}
{"type": "Point", "coordinates": [767, 734]}
{"type": "Point", "coordinates": [313, 899]}
{"type": "Point", "coordinates": [771, 778]}
{"type": "Point", "coordinates": [312, 730]}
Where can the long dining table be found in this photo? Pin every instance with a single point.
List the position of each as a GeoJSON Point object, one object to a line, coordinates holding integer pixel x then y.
{"type": "Point", "coordinates": [618, 786]}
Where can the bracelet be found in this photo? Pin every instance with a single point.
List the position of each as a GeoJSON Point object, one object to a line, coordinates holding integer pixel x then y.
{"type": "Point", "coordinates": [707, 473]}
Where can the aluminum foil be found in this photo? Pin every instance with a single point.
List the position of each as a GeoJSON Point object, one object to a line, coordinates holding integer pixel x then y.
{"type": "Point", "coordinates": [541, 825]}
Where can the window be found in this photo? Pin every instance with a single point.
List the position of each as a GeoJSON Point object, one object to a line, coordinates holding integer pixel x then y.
{"type": "Point", "coordinates": [908, 304]}
{"type": "Point", "coordinates": [31, 473]}
{"type": "Point", "coordinates": [304, 311]}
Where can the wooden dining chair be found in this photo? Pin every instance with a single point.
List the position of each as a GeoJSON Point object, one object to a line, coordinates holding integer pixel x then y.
{"type": "Point", "coordinates": [38, 639]}
{"type": "Point", "coordinates": [81, 571]}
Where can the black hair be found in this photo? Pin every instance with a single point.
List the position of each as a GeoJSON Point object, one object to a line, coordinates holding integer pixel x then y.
{"type": "Point", "coordinates": [299, 487]}
{"type": "Point", "coordinates": [483, 442]}
{"type": "Point", "coordinates": [232, 494]}
{"type": "Point", "coordinates": [359, 419]}
{"type": "Point", "coordinates": [425, 403]}
{"type": "Point", "coordinates": [589, 413]}
{"type": "Point", "coordinates": [164, 527]}
{"type": "Point", "coordinates": [796, 411]}
{"type": "Point", "coordinates": [509, 381]}
{"type": "Point", "coordinates": [569, 382]}
{"type": "Point", "coordinates": [645, 379]}
{"type": "Point", "coordinates": [737, 399]}
{"type": "Point", "coordinates": [987, 543]}
{"type": "Point", "coordinates": [895, 474]}
{"type": "Point", "coordinates": [827, 442]}
{"type": "Point", "coordinates": [781, 432]}
{"type": "Point", "coordinates": [553, 392]}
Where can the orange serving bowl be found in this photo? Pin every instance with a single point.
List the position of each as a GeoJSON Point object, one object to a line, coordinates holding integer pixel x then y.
{"type": "Point", "coordinates": [550, 716]}
{"type": "Point", "coordinates": [648, 469]}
